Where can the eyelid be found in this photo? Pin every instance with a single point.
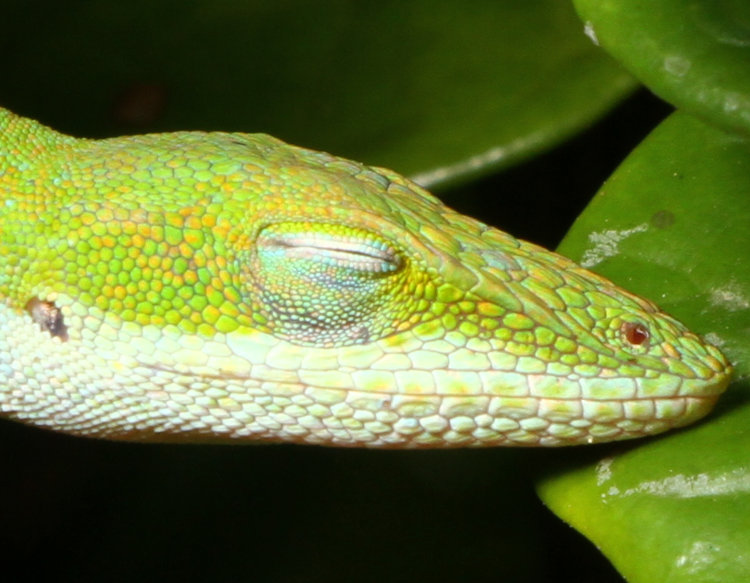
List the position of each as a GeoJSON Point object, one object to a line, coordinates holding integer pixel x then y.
{"type": "Point", "coordinates": [358, 253]}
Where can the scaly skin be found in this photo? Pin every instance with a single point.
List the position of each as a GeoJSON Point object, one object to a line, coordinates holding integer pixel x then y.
{"type": "Point", "coordinates": [227, 287]}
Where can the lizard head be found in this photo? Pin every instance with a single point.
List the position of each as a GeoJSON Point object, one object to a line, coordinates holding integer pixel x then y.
{"type": "Point", "coordinates": [231, 286]}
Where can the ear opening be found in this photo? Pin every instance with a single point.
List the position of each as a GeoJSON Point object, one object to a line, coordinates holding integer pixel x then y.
{"type": "Point", "coordinates": [49, 317]}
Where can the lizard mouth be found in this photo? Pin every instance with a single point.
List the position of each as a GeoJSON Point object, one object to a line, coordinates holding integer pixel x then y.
{"type": "Point", "coordinates": [288, 382]}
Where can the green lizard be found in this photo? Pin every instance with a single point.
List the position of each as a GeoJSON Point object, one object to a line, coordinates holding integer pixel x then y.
{"type": "Point", "coordinates": [225, 287]}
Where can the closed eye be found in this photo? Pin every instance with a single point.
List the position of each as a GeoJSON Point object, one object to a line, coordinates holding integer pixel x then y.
{"type": "Point", "coordinates": [360, 254]}
{"type": "Point", "coordinates": [327, 283]}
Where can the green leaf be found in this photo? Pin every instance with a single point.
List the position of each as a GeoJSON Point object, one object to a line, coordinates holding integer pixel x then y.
{"type": "Point", "coordinates": [694, 54]}
{"type": "Point", "coordinates": [441, 89]}
{"type": "Point", "coordinates": [671, 224]}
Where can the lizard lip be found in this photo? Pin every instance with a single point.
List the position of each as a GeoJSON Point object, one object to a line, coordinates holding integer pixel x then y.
{"type": "Point", "coordinates": [698, 389]}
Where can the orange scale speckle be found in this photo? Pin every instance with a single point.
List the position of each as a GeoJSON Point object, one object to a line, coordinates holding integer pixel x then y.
{"type": "Point", "coordinates": [173, 220]}
{"type": "Point", "coordinates": [158, 320]}
{"type": "Point", "coordinates": [185, 249]}
{"type": "Point", "coordinates": [229, 309]}
{"type": "Point", "coordinates": [138, 240]}
{"type": "Point", "coordinates": [193, 238]}
{"type": "Point", "coordinates": [193, 221]}
{"type": "Point", "coordinates": [210, 314]}
{"type": "Point", "coordinates": [178, 163]}
{"type": "Point", "coordinates": [108, 241]}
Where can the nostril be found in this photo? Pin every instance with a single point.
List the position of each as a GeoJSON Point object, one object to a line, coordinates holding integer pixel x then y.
{"type": "Point", "coordinates": [635, 333]}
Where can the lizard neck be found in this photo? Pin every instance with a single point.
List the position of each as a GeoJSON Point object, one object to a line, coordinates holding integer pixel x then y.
{"type": "Point", "coordinates": [23, 141]}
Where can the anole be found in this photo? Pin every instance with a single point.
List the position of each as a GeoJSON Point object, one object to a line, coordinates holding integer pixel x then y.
{"type": "Point", "coordinates": [225, 287]}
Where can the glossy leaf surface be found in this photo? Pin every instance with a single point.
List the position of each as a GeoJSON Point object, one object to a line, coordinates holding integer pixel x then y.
{"type": "Point", "coordinates": [671, 224]}
{"type": "Point", "coordinates": [694, 54]}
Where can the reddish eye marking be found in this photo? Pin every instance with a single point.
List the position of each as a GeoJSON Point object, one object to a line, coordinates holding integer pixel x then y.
{"type": "Point", "coordinates": [635, 333]}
